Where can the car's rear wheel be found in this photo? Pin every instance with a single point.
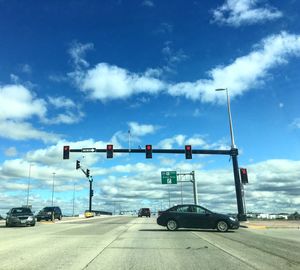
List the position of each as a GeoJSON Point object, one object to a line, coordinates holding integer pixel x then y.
{"type": "Point", "coordinates": [222, 226]}
{"type": "Point", "coordinates": [172, 225]}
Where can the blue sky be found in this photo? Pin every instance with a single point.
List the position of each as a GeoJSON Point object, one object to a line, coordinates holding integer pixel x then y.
{"type": "Point", "coordinates": [84, 73]}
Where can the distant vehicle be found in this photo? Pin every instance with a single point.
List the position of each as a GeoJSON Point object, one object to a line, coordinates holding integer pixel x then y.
{"type": "Point", "coordinates": [195, 216]}
{"type": "Point", "coordinates": [20, 216]}
{"type": "Point", "coordinates": [89, 214]}
{"type": "Point", "coordinates": [49, 213]}
{"type": "Point", "coordinates": [144, 212]}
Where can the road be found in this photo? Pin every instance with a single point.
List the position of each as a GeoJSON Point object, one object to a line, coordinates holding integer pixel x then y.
{"type": "Point", "coordinates": [139, 243]}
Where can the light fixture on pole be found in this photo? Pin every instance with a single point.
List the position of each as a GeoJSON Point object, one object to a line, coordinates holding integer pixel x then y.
{"type": "Point", "coordinates": [229, 116]}
{"type": "Point", "coordinates": [53, 187]}
{"type": "Point", "coordinates": [28, 184]}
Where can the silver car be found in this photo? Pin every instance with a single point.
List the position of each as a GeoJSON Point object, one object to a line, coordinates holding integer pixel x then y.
{"type": "Point", "coordinates": [20, 216]}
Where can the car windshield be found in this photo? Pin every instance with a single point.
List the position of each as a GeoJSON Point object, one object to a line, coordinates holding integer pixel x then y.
{"type": "Point", "coordinates": [21, 211]}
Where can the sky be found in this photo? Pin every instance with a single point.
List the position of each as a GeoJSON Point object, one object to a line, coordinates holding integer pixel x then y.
{"type": "Point", "coordinates": [137, 72]}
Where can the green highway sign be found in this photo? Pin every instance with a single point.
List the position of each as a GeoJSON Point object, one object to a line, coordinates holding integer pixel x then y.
{"type": "Point", "coordinates": [169, 177]}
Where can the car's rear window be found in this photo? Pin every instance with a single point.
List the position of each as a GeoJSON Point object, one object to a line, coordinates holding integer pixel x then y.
{"type": "Point", "coordinates": [21, 211]}
{"type": "Point", "coordinates": [48, 209]}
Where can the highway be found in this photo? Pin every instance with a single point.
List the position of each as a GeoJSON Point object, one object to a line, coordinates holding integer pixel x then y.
{"type": "Point", "coordinates": [122, 242]}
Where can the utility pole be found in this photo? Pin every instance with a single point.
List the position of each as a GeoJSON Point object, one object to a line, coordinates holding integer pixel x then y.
{"type": "Point", "coordinates": [73, 200]}
{"type": "Point", "coordinates": [53, 187]}
{"type": "Point", "coordinates": [28, 186]}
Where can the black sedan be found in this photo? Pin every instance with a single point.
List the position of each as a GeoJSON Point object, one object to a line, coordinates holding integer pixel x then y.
{"type": "Point", "coordinates": [20, 216]}
{"type": "Point", "coordinates": [195, 216]}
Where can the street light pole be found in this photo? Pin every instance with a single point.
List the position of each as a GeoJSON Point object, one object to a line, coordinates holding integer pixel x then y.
{"type": "Point", "coordinates": [53, 187]}
{"type": "Point", "coordinates": [229, 116]}
{"type": "Point", "coordinates": [28, 185]}
{"type": "Point", "coordinates": [73, 201]}
{"type": "Point", "coordinates": [234, 154]}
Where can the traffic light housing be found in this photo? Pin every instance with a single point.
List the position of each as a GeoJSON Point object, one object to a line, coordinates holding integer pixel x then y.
{"type": "Point", "coordinates": [66, 152]}
{"type": "Point", "coordinates": [77, 164]}
{"type": "Point", "coordinates": [188, 152]}
{"type": "Point", "coordinates": [87, 173]}
{"type": "Point", "coordinates": [92, 192]}
{"type": "Point", "coordinates": [109, 151]}
{"type": "Point", "coordinates": [244, 175]}
{"type": "Point", "coordinates": [148, 151]}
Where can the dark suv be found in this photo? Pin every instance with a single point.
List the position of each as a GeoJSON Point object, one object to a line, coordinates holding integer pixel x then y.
{"type": "Point", "coordinates": [49, 213]}
{"type": "Point", "coordinates": [144, 212]}
{"type": "Point", "coordinates": [20, 216]}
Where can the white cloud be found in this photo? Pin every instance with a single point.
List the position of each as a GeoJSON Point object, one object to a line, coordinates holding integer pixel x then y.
{"type": "Point", "coordinates": [137, 129]}
{"type": "Point", "coordinates": [11, 152]}
{"type": "Point", "coordinates": [197, 113]}
{"type": "Point", "coordinates": [18, 103]}
{"type": "Point", "coordinates": [239, 12]}
{"type": "Point", "coordinates": [172, 57]}
{"type": "Point", "coordinates": [77, 52]}
{"type": "Point", "coordinates": [245, 72]}
{"type": "Point", "coordinates": [66, 118]}
{"type": "Point", "coordinates": [14, 78]}
{"type": "Point", "coordinates": [71, 115]}
{"type": "Point", "coordinates": [148, 3]}
{"type": "Point", "coordinates": [273, 184]}
{"type": "Point", "coordinates": [19, 107]}
{"type": "Point", "coordinates": [106, 82]}
{"type": "Point", "coordinates": [296, 123]}
{"type": "Point", "coordinates": [25, 68]}
{"type": "Point", "coordinates": [197, 141]}
{"type": "Point", "coordinates": [61, 102]}
{"type": "Point", "coordinates": [24, 131]}
{"type": "Point", "coordinates": [169, 143]}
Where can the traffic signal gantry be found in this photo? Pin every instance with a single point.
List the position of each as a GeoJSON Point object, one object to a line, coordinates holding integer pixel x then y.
{"type": "Point", "coordinates": [148, 150]}
{"type": "Point", "coordinates": [88, 176]}
{"type": "Point", "coordinates": [188, 151]}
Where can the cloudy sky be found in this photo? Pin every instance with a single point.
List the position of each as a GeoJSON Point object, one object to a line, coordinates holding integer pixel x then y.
{"type": "Point", "coordinates": [137, 72]}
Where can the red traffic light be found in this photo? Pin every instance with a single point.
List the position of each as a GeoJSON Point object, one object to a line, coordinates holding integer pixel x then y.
{"type": "Point", "coordinates": [244, 175]}
{"type": "Point", "coordinates": [66, 152]}
{"type": "Point", "coordinates": [109, 151]}
{"type": "Point", "coordinates": [148, 147]}
{"type": "Point", "coordinates": [188, 152]}
{"type": "Point", "coordinates": [148, 151]}
{"type": "Point", "coordinates": [109, 147]}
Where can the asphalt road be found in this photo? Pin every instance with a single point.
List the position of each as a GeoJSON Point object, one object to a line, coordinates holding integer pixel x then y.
{"type": "Point", "coordinates": [139, 243]}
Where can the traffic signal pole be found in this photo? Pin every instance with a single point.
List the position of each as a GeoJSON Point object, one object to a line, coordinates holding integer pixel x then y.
{"type": "Point", "coordinates": [91, 194]}
{"type": "Point", "coordinates": [87, 174]}
{"type": "Point", "coordinates": [238, 188]}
